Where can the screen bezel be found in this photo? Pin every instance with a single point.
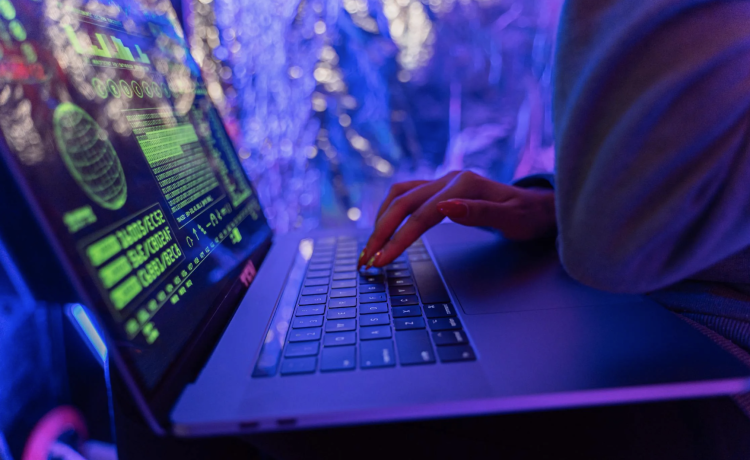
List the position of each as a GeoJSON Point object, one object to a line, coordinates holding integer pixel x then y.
{"type": "Point", "coordinates": [155, 402]}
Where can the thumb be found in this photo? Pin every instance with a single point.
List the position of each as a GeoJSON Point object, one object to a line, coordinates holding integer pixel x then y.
{"type": "Point", "coordinates": [475, 213]}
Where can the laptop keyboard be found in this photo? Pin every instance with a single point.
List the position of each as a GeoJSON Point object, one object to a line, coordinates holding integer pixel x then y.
{"type": "Point", "coordinates": [399, 315]}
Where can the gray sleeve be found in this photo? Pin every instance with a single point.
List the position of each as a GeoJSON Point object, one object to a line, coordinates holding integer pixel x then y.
{"type": "Point", "coordinates": [652, 115]}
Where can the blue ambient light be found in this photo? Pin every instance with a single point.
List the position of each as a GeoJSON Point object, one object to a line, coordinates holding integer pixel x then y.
{"type": "Point", "coordinates": [89, 331]}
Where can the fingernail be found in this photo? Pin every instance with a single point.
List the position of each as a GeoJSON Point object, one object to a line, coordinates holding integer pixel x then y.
{"type": "Point", "coordinates": [453, 208]}
{"type": "Point", "coordinates": [362, 255]}
{"type": "Point", "coordinates": [376, 259]}
{"type": "Point", "coordinates": [371, 261]}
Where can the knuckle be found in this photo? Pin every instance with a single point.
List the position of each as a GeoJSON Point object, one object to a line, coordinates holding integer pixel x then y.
{"type": "Point", "coordinates": [399, 204]}
{"type": "Point", "coordinates": [467, 176]}
{"type": "Point", "coordinates": [418, 220]}
{"type": "Point", "coordinates": [467, 181]}
{"type": "Point", "coordinates": [395, 189]}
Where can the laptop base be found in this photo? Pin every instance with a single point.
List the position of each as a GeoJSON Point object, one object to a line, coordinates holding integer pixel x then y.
{"type": "Point", "coordinates": [605, 350]}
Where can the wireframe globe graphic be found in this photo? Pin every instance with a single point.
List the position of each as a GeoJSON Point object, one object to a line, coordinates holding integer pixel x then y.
{"type": "Point", "coordinates": [89, 156]}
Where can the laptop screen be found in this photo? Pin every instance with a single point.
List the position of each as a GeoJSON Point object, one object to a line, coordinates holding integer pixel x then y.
{"type": "Point", "coordinates": [110, 130]}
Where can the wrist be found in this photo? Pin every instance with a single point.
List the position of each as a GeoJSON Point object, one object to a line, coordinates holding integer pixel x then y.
{"type": "Point", "coordinates": [544, 212]}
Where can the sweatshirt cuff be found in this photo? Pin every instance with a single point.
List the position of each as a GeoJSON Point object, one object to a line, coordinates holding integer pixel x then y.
{"type": "Point", "coordinates": [545, 181]}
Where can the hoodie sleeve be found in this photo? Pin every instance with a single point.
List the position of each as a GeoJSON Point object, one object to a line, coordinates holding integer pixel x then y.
{"type": "Point", "coordinates": [652, 123]}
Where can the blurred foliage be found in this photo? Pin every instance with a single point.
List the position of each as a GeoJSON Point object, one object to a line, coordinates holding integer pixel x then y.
{"type": "Point", "coordinates": [331, 101]}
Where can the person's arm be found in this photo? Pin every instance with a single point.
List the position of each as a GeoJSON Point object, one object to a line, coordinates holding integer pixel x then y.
{"type": "Point", "coordinates": [652, 120]}
{"type": "Point", "coordinates": [522, 212]}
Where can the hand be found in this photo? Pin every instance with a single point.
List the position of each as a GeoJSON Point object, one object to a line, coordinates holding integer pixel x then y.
{"type": "Point", "coordinates": [464, 197]}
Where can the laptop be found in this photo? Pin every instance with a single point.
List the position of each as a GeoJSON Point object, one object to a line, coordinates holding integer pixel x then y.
{"type": "Point", "coordinates": [121, 191]}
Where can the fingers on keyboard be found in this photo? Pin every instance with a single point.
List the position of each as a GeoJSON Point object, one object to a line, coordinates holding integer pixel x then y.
{"type": "Point", "coordinates": [375, 318]}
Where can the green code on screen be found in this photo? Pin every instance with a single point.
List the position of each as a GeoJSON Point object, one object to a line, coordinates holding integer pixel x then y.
{"type": "Point", "coordinates": [103, 249]}
{"type": "Point", "coordinates": [124, 293]}
{"type": "Point", "coordinates": [113, 272]}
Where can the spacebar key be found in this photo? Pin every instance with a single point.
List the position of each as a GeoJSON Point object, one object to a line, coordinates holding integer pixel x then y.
{"type": "Point", "coordinates": [431, 288]}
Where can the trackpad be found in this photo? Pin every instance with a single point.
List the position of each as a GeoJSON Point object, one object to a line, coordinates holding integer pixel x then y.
{"type": "Point", "coordinates": [494, 276]}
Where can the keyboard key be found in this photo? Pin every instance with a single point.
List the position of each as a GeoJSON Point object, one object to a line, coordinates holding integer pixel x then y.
{"type": "Point", "coordinates": [348, 253]}
{"type": "Point", "coordinates": [343, 302]}
{"type": "Point", "coordinates": [374, 332]}
{"type": "Point", "coordinates": [295, 350]}
{"type": "Point", "coordinates": [348, 292]}
{"type": "Point", "coordinates": [312, 290]}
{"type": "Point", "coordinates": [369, 308]}
{"type": "Point", "coordinates": [338, 359]}
{"type": "Point", "coordinates": [414, 347]}
{"type": "Point", "coordinates": [374, 320]}
{"type": "Point", "coordinates": [453, 354]}
{"type": "Point", "coordinates": [398, 273]}
{"type": "Point", "coordinates": [403, 324]}
{"type": "Point", "coordinates": [323, 260]}
{"type": "Point", "coordinates": [344, 284]}
{"type": "Point", "coordinates": [405, 312]}
{"type": "Point", "coordinates": [335, 339]}
{"type": "Point", "coordinates": [400, 282]}
{"type": "Point", "coordinates": [292, 366]}
{"type": "Point", "coordinates": [419, 257]}
{"type": "Point", "coordinates": [344, 268]}
{"type": "Point", "coordinates": [444, 324]}
{"type": "Point", "coordinates": [304, 335]}
{"type": "Point", "coordinates": [307, 321]}
{"type": "Point", "coordinates": [376, 353]}
{"type": "Point", "coordinates": [404, 300]}
{"type": "Point", "coordinates": [370, 298]}
{"type": "Point", "coordinates": [312, 299]}
{"type": "Point", "coordinates": [450, 338]}
{"type": "Point", "coordinates": [318, 273]}
{"type": "Point", "coordinates": [371, 279]}
{"type": "Point", "coordinates": [439, 310]}
{"type": "Point", "coordinates": [324, 245]}
{"type": "Point", "coordinates": [370, 288]}
{"type": "Point", "coordinates": [340, 325]}
{"type": "Point", "coordinates": [372, 271]}
{"type": "Point", "coordinates": [402, 290]}
{"type": "Point", "coordinates": [319, 266]}
{"type": "Point", "coordinates": [311, 310]}
{"type": "Point", "coordinates": [316, 282]}
{"type": "Point", "coordinates": [347, 261]}
{"type": "Point", "coordinates": [430, 286]}
{"type": "Point", "coordinates": [342, 313]}
{"type": "Point", "coordinates": [345, 276]}
{"type": "Point", "coordinates": [399, 266]}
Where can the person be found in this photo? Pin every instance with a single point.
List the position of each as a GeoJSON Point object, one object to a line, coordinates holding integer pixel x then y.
{"type": "Point", "coordinates": [651, 192]}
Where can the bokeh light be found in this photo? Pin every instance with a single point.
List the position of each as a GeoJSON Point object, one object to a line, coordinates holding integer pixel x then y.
{"type": "Point", "coordinates": [331, 101]}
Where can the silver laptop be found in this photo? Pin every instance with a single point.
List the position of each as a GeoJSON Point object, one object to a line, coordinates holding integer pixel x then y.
{"type": "Point", "coordinates": [121, 183]}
